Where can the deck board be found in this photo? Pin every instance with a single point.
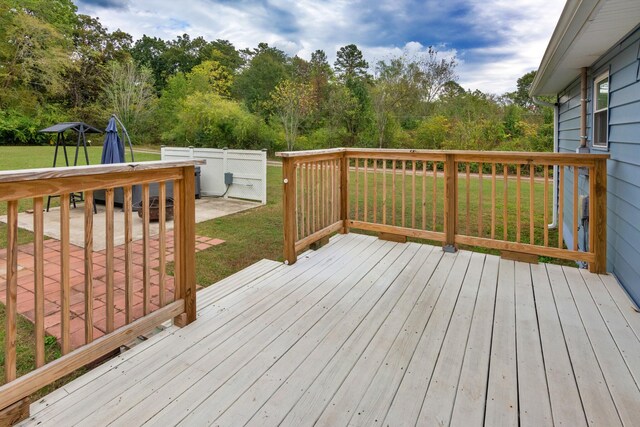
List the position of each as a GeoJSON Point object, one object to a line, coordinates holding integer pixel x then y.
{"type": "Point", "coordinates": [366, 332]}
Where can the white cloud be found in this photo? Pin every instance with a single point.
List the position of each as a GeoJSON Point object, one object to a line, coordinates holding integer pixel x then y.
{"type": "Point", "coordinates": [496, 41]}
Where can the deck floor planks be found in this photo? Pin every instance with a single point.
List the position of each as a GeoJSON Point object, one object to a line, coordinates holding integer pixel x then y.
{"type": "Point", "coordinates": [213, 317]}
{"type": "Point", "coordinates": [621, 332]}
{"type": "Point", "coordinates": [566, 406]}
{"type": "Point", "coordinates": [502, 390]}
{"type": "Point", "coordinates": [379, 395]}
{"type": "Point", "coordinates": [314, 378]}
{"type": "Point", "coordinates": [251, 400]}
{"type": "Point", "coordinates": [343, 406]}
{"type": "Point", "coordinates": [407, 402]}
{"type": "Point", "coordinates": [199, 360]}
{"type": "Point", "coordinates": [596, 399]}
{"type": "Point", "coordinates": [441, 394]}
{"type": "Point", "coordinates": [533, 392]}
{"type": "Point", "coordinates": [623, 389]}
{"type": "Point", "coordinates": [212, 405]}
{"type": "Point", "coordinates": [335, 338]}
{"type": "Point", "coordinates": [468, 409]}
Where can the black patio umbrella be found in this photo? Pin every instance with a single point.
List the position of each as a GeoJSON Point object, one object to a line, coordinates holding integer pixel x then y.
{"type": "Point", "coordinates": [113, 149]}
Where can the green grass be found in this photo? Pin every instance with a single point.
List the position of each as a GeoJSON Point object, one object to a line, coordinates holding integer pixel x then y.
{"type": "Point", "coordinates": [26, 356]}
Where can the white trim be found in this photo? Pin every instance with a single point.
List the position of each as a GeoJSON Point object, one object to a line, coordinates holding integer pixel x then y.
{"type": "Point", "coordinates": [594, 110]}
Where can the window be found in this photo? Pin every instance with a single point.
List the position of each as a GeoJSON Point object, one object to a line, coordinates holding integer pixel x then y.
{"type": "Point", "coordinates": [601, 111]}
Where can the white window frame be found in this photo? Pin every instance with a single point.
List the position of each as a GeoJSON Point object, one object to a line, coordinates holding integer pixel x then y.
{"type": "Point", "coordinates": [596, 81]}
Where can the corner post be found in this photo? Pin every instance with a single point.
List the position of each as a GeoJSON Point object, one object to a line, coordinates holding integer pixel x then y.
{"type": "Point", "coordinates": [598, 216]}
{"type": "Point", "coordinates": [186, 243]}
{"type": "Point", "coordinates": [344, 193]}
{"type": "Point", "coordinates": [450, 202]}
{"type": "Point", "coordinates": [289, 204]}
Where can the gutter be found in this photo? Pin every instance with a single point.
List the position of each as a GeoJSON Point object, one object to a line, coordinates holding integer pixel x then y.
{"type": "Point", "coordinates": [540, 103]}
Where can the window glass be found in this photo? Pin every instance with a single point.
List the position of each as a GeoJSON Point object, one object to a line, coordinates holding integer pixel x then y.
{"type": "Point", "coordinates": [602, 94]}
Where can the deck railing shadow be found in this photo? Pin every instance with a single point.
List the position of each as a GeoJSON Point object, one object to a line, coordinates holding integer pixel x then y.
{"type": "Point", "coordinates": [31, 187]}
{"type": "Point", "coordinates": [478, 198]}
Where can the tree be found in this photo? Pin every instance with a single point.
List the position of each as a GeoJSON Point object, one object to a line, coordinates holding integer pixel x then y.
{"type": "Point", "coordinates": [266, 68]}
{"type": "Point", "coordinates": [149, 52]}
{"type": "Point", "coordinates": [292, 102]}
{"type": "Point", "coordinates": [433, 74]}
{"type": "Point", "coordinates": [394, 90]}
{"type": "Point", "coordinates": [210, 76]}
{"type": "Point", "coordinates": [350, 63]}
{"type": "Point", "coordinates": [521, 95]}
{"type": "Point", "coordinates": [130, 93]}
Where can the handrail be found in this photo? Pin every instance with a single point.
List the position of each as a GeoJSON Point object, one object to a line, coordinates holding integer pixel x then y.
{"type": "Point", "coordinates": [36, 184]}
{"type": "Point", "coordinates": [493, 199]}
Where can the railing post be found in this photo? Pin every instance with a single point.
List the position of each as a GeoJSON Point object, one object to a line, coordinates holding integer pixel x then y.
{"type": "Point", "coordinates": [344, 193]}
{"type": "Point", "coordinates": [450, 202]}
{"type": "Point", "coordinates": [185, 242]}
{"type": "Point", "coordinates": [289, 205]}
{"type": "Point", "coordinates": [598, 216]}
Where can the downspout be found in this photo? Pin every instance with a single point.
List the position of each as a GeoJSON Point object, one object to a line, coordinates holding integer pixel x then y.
{"type": "Point", "coordinates": [554, 219]}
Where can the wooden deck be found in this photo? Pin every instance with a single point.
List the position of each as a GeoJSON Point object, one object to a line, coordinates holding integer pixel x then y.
{"type": "Point", "coordinates": [365, 332]}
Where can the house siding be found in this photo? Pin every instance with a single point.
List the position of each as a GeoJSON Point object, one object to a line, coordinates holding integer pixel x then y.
{"type": "Point", "coordinates": [623, 169]}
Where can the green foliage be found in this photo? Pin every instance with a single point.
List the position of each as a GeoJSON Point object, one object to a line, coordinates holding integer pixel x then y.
{"type": "Point", "coordinates": [208, 120]}
{"type": "Point", "coordinates": [292, 102]}
{"type": "Point", "coordinates": [433, 132]}
{"type": "Point", "coordinates": [350, 64]}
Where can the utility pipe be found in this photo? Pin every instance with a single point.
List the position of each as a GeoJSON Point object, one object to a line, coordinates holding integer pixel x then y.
{"type": "Point", "coordinates": [583, 107]}
{"type": "Point", "coordinates": [541, 103]}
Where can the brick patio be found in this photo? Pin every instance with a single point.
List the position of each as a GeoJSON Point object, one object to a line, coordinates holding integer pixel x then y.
{"type": "Point", "coordinates": [26, 295]}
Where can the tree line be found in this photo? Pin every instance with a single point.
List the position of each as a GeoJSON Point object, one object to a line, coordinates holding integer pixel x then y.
{"type": "Point", "coordinates": [58, 65]}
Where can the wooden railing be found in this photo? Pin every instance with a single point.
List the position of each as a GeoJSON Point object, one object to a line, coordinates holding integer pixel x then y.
{"type": "Point", "coordinates": [497, 200]}
{"type": "Point", "coordinates": [28, 188]}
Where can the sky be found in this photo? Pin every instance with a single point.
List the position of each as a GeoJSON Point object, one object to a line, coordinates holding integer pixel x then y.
{"type": "Point", "coordinates": [494, 41]}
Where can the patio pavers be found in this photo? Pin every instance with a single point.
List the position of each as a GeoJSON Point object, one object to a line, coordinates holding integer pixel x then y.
{"type": "Point", "coordinates": [52, 258]}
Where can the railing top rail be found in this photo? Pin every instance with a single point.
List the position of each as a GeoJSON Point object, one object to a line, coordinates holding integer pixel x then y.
{"type": "Point", "coordinates": [79, 171]}
{"type": "Point", "coordinates": [488, 155]}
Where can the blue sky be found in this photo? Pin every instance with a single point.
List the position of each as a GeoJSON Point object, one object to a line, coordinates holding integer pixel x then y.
{"type": "Point", "coordinates": [494, 41]}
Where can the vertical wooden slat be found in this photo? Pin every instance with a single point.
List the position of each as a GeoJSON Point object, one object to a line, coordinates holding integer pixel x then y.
{"type": "Point", "coordinates": [450, 172]}
{"type": "Point", "coordinates": [309, 191]}
{"type": "Point", "coordinates": [518, 201]}
{"type": "Point", "coordinates": [332, 196]}
{"type": "Point", "coordinates": [384, 191]}
{"type": "Point", "coordinates": [560, 207]}
{"type": "Point", "coordinates": [65, 286]}
{"type": "Point", "coordinates": [375, 191]}
{"type": "Point", "coordinates": [576, 224]}
{"type": "Point", "coordinates": [404, 188]}
{"type": "Point", "coordinates": [365, 182]}
{"type": "Point", "coordinates": [344, 193]}
{"type": "Point", "coordinates": [545, 225]}
{"type": "Point", "coordinates": [493, 200]}
{"type": "Point", "coordinates": [505, 198]}
{"type": "Point", "coordinates": [424, 195]}
{"type": "Point", "coordinates": [11, 312]}
{"type": "Point", "coordinates": [598, 216]}
{"type": "Point", "coordinates": [146, 253]}
{"type": "Point", "coordinates": [288, 191]}
{"type": "Point", "coordinates": [356, 216]}
{"type": "Point", "coordinates": [433, 193]}
{"type": "Point", "coordinates": [325, 192]}
{"type": "Point", "coordinates": [468, 198]}
{"type": "Point", "coordinates": [187, 225]}
{"type": "Point", "coordinates": [128, 255]}
{"type": "Point", "coordinates": [162, 244]}
{"type": "Point", "coordinates": [318, 191]}
{"type": "Point", "coordinates": [298, 211]}
{"type": "Point", "coordinates": [303, 213]}
{"type": "Point", "coordinates": [531, 205]}
{"type": "Point", "coordinates": [88, 266]}
{"type": "Point", "coordinates": [393, 193]}
{"type": "Point", "coordinates": [38, 277]}
{"type": "Point", "coordinates": [480, 185]}
{"type": "Point", "coordinates": [109, 230]}
{"type": "Point", "coordinates": [413, 194]}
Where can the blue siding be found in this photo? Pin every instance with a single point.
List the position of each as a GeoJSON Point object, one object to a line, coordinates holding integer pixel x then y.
{"type": "Point", "coordinates": [623, 169]}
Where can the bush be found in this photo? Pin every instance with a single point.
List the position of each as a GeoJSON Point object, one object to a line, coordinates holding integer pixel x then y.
{"type": "Point", "coordinates": [208, 120]}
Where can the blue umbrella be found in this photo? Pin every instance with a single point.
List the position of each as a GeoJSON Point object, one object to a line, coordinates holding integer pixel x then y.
{"type": "Point", "coordinates": [112, 150]}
